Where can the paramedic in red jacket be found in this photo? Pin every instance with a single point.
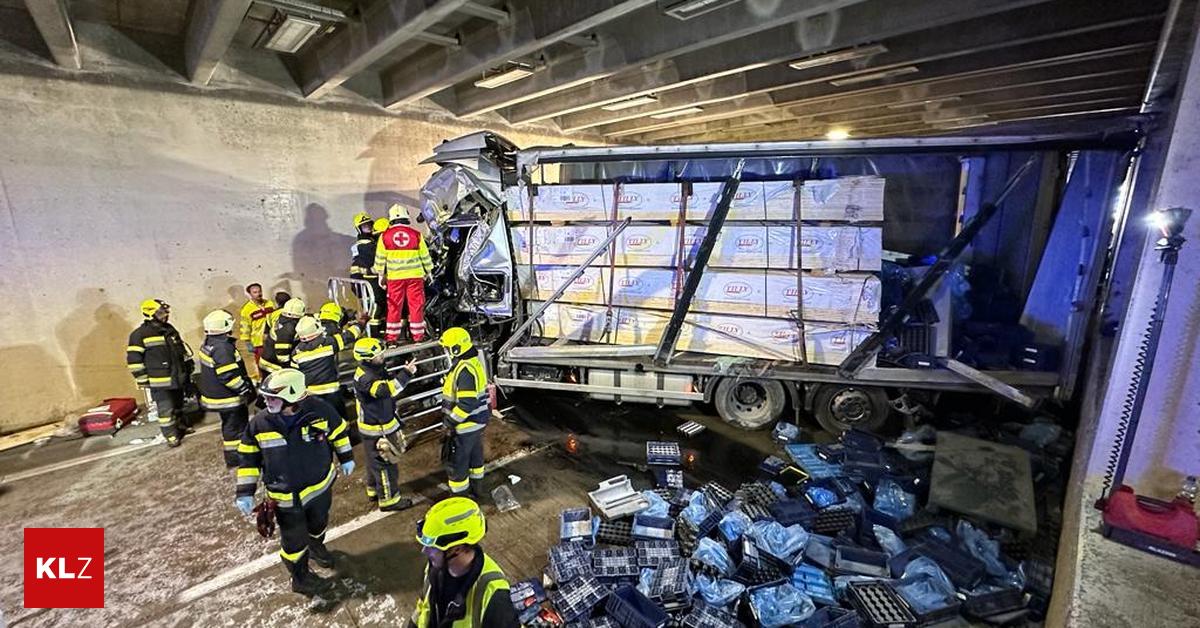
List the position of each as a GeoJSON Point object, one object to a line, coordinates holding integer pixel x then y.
{"type": "Point", "coordinates": [402, 263]}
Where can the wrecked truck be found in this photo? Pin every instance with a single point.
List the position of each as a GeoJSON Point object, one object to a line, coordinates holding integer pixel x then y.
{"type": "Point", "coordinates": [855, 280]}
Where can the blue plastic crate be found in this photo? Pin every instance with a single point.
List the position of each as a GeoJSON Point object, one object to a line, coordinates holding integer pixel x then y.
{"type": "Point", "coordinates": [663, 453]}
{"type": "Point", "coordinates": [805, 456]}
{"type": "Point", "coordinates": [615, 563]}
{"type": "Point", "coordinates": [815, 583]}
{"type": "Point", "coordinates": [879, 605]}
{"type": "Point", "coordinates": [671, 586]}
{"type": "Point", "coordinates": [963, 570]}
{"type": "Point", "coordinates": [569, 561]}
{"type": "Point", "coordinates": [856, 560]}
{"type": "Point", "coordinates": [946, 608]}
{"type": "Point", "coordinates": [631, 609]}
{"type": "Point", "coordinates": [578, 597]}
{"type": "Point", "coordinates": [575, 524]}
{"type": "Point", "coordinates": [861, 440]}
{"type": "Point", "coordinates": [793, 511]}
{"type": "Point", "coordinates": [653, 554]}
{"type": "Point", "coordinates": [650, 528]}
{"type": "Point", "coordinates": [527, 597]}
{"type": "Point", "coordinates": [832, 617]}
{"type": "Point", "coordinates": [705, 615]}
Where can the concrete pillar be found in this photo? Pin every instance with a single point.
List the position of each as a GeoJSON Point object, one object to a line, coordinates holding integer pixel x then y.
{"type": "Point", "coordinates": [1167, 445]}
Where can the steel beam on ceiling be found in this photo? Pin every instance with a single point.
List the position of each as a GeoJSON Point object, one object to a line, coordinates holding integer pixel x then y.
{"type": "Point", "coordinates": [476, 9]}
{"type": "Point", "coordinates": [1006, 30]}
{"type": "Point", "coordinates": [437, 40]}
{"type": "Point", "coordinates": [1066, 76]}
{"type": "Point", "coordinates": [856, 24]}
{"type": "Point", "coordinates": [644, 36]}
{"type": "Point", "coordinates": [1097, 45]}
{"type": "Point", "coordinates": [532, 25]}
{"type": "Point", "coordinates": [54, 24]}
{"type": "Point", "coordinates": [384, 26]}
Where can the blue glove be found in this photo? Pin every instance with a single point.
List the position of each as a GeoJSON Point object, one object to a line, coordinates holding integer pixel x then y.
{"type": "Point", "coordinates": [244, 504]}
{"type": "Point", "coordinates": [347, 468]}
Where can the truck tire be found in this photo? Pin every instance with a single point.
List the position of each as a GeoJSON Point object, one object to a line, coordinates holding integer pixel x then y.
{"type": "Point", "coordinates": [749, 403]}
{"type": "Point", "coordinates": [840, 407]}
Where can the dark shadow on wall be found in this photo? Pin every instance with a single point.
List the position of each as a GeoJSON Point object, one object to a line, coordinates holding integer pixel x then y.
{"type": "Point", "coordinates": [318, 253]}
{"type": "Point", "coordinates": [222, 292]}
{"type": "Point", "coordinates": [33, 375]}
{"type": "Point", "coordinates": [94, 335]}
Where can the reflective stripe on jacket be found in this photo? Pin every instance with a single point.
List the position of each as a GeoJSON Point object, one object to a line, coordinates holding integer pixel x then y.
{"type": "Point", "coordinates": [223, 378]}
{"type": "Point", "coordinates": [279, 342]}
{"type": "Point", "coordinates": [376, 393]}
{"type": "Point", "coordinates": [401, 254]}
{"type": "Point", "coordinates": [362, 257]}
{"type": "Point", "coordinates": [465, 402]}
{"type": "Point", "coordinates": [318, 359]}
{"type": "Point", "coordinates": [157, 357]}
{"type": "Point", "coordinates": [296, 457]}
{"type": "Point", "coordinates": [468, 610]}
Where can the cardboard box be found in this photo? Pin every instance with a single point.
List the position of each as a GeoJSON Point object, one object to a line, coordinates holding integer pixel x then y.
{"type": "Point", "coordinates": [649, 201]}
{"type": "Point", "coordinates": [572, 202]}
{"type": "Point", "coordinates": [845, 198]}
{"type": "Point", "coordinates": [843, 298]}
{"type": "Point", "coordinates": [779, 198]}
{"type": "Point", "coordinates": [565, 245]}
{"type": "Point", "coordinates": [648, 245]}
{"type": "Point", "coordinates": [828, 343]}
{"type": "Point", "coordinates": [591, 286]}
{"type": "Point", "coordinates": [584, 323]}
{"type": "Point", "coordinates": [517, 203]}
{"type": "Point", "coordinates": [748, 203]}
{"type": "Point", "coordinates": [842, 248]}
{"type": "Point", "coordinates": [652, 288]}
{"type": "Point", "coordinates": [767, 338]}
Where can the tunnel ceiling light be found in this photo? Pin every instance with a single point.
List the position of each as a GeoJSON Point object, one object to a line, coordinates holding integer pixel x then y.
{"type": "Point", "coordinates": [874, 76]}
{"type": "Point", "coordinates": [688, 9]}
{"type": "Point", "coordinates": [292, 34]}
{"type": "Point", "coordinates": [837, 56]}
{"type": "Point", "coordinates": [505, 75]}
{"type": "Point", "coordinates": [629, 104]}
{"type": "Point", "coordinates": [921, 103]}
{"type": "Point", "coordinates": [678, 112]}
{"type": "Point", "coordinates": [837, 134]}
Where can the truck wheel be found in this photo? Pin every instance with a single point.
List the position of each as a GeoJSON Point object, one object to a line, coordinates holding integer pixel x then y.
{"type": "Point", "coordinates": [749, 403]}
{"type": "Point", "coordinates": [839, 407]}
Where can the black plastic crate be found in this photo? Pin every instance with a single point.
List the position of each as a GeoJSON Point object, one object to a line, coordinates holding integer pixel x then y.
{"type": "Point", "coordinates": [756, 493]}
{"type": "Point", "coordinates": [603, 621]}
{"type": "Point", "coordinates": [856, 560]}
{"type": "Point", "coordinates": [718, 495]}
{"type": "Point", "coordinates": [819, 551]}
{"type": "Point", "coordinates": [879, 605]}
{"type": "Point", "coordinates": [670, 478]}
{"type": "Point", "coordinates": [833, 521]}
{"type": "Point", "coordinates": [995, 603]}
{"type": "Point", "coordinates": [569, 561]}
{"type": "Point", "coordinates": [687, 536]}
{"type": "Point", "coordinates": [616, 563]}
{"type": "Point", "coordinates": [705, 615]}
{"type": "Point", "coordinates": [756, 512]}
{"type": "Point", "coordinates": [946, 609]}
{"type": "Point", "coordinates": [631, 609]}
{"type": "Point", "coordinates": [577, 598]}
{"type": "Point", "coordinates": [832, 617]}
{"type": "Point", "coordinates": [921, 521]}
{"type": "Point", "coordinates": [663, 453]}
{"type": "Point", "coordinates": [655, 553]}
{"type": "Point", "coordinates": [964, 570]}
{"type": "Point", "coordinates": [710, 522]}
{"type": "Point", "coordinates": [832, 453]}
{"type": "Point", "coordinates": [615, 533]}
{"type": "Point", "coordinates": [861, 440]}
{"type": "Point", "coordinates": [575, 525]}
{"type": "Point", "coordinates": [670, 586]}
{"type": "Point", "coordinates": [756, 567]}
{"type": "Point", "coordinates": [794, 511]}
{"type": "Point", "coordinates": [702, 568]}
{"type": "Point", "coordinates": [651, 528]}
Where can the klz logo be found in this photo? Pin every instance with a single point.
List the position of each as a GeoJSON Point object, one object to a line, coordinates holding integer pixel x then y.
{"type": "Point", "coordinates": [64, 568]}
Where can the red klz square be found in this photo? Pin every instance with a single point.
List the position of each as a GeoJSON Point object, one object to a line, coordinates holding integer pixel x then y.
{"type": "Point", "coordinates": [64, 567]}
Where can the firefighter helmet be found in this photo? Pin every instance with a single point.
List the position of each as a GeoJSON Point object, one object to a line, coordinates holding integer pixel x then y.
{"type": "Point", "coordinates": [367, 348]}
{"type": "Point", "coordinates": [360, 219]}
{"type": "Point", "coordinates": [331, 312]}
{"type": "Point", "coordinates": [398, 213]}
{"type": "Point", "coordinates": [294, 308]}
{"type": "Point", "coordinates": [380, 225]}
{"type": "Point", "coordinates": [453, 521]}
{"type": "Point", "coordinates": [150, 307]}
{"type": "Point", "coordinates": [456, 340]}
{"type": "Point", "coordinates": [218, 322]}
{"type": "Point", "coordinates": [285, 384]}
{"type": "Point", "coordinates": [308, 328]}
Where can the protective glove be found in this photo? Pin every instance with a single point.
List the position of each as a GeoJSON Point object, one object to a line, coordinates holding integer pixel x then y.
{"type": "Point", "coordinates": [244, 504]}
{"type": "Point", "coordinates": [347, 468]}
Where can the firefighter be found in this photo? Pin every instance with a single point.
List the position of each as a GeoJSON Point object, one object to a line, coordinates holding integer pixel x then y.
{"type": "Point", "coordinates": [379, 316]}
{"type": "Point", "coordinates": [464, 587]}
{"type": "Point", "coordinates": [362, 253]}
{"type": "Point", "coordinates": [254, 314]}
{"type": "Point", "coordinates": [281, 336]}
{"type": "Point", "coordinates": [375, 394]}
{"type": "Point", "coordinates": [466, 409]}
{"type": "Point", "coordinates": [316, 355]}
{"type": "Point", "coordinates": [402, 263]}
{"type": "Point", "coordinates": [330, 316]}
{"type": "Point", "coordinates": [224, 383]}
{"type": "Point", "coordinates": [296, 446]}
{"type": "Point", "coordinates": [160, 361]}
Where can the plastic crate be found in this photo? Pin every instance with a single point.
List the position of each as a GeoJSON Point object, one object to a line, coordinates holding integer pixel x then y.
{"type": "Point", "coordinates": [861, 440]}
{"type": "Point", "coordinates": [705, 615]}
{"type": "Point", "coordinates": [650, 528]}
{"type": "Point", "coordinates": [575, 524]}
{"type": "Point", "coordinates": [947, 609]}
{"type": "Point", "coordinates": [577, 598]}
{"type": "Point", "coordinates": [815, 583]}
{"type": "Point", "coordinates": [663, 453]}
{"type": "Point", "coordinates": [654, 554]}
{"type": "Point", "coordinates": [856, 560]}
{"type": "Point", "coordinates": [772, 465]}
{"type": "Point", "coordinates": [832, 617]}
{"type": "Point", "coordinates": [922, 520]}
{"type": "Point", "coordinates": [617, 563]}
{"type": "Point", "coordinates": [718, 496]}
{"type": "Point", "coordinates": [756, 512]}
{"type": "Point", "coordinates": [631, 609]}
{"type": "Point", "coordinates": [671, 586]}
{"type": "Point", "coordinates": [833, 521]}
{"type": "Point", "coordinates": [615, 533]}
{"type": "Point", "coordinates": [756, 567]}
{"type": "Point", "coordinates": [756, 493]}
{"type": "Point", "coordinates": [964, 570]}
{"type": "Point", "coordinates": [569, 561]}
{"type": "Point", "coordinates": [710, 522]}
{"type": "Point", "coordinates": [832, 453]}
{"type": "Point", "coordinates": [879, 605]}
{"type": "Point", "coordinates": [793, 512]}
{"type": "Point", "coordinates": [687, 537]}
{"type": "Point", "coordinates": [670, 478]}
{"type": "Point", "coordinates": [527, 597]}
{"type": "Point", "coordinates": [603, 621]}
{"type": "Point", "coordinates": [995, 603]}
{"type": "Point", "coordinates": [805, 456]}
{"type": "Point", "coordinates": [819, 551]}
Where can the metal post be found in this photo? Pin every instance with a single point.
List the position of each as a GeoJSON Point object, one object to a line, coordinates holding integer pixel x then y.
{"type": "Point", "coordinates": [857, 360]}
{"type": "Point", "coordinates": [518, 332]}
{"type": "Point", "coordinates": [667, 345]}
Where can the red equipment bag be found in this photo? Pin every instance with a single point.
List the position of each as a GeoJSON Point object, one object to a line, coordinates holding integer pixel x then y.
{"type": "Point", "coordinates": [108, 417]}
{"type": "Point", "coordinates": [1173, 521]}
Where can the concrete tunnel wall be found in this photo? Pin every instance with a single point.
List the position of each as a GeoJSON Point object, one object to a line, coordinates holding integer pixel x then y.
{"type": "Point", "coordinates": [110, 195]}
